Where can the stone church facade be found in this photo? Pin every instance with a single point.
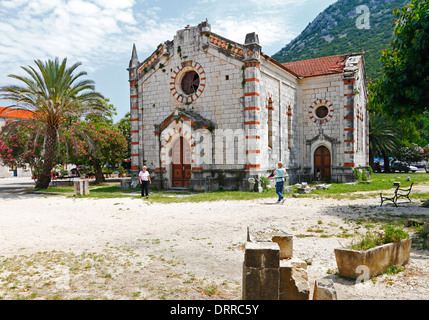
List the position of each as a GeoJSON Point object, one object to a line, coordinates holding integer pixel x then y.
{"type": "Point", "coordinates": [209, 113]}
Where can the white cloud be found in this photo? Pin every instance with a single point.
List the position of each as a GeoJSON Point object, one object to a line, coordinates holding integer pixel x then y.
{"type": "Point", "coordinates": [12, 4]}
{"type": "Point", "coordinates": [101, 31]}
{"type": "Point", "coordinates": [269, 31]}
{"type": "Point", "coordinates": [42, 29]}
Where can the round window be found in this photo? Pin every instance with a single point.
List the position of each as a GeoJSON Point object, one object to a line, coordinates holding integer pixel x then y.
{"type": "Point", "coordinates": [322, 112]}
{"type": "Point", "coordinates": [190, 82]}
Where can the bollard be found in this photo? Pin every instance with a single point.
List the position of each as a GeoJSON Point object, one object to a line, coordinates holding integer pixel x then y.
{"type": "Point", "coordinates": [81, 187]}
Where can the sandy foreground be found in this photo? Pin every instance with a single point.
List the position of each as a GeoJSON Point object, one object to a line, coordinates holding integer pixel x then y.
{"type": "Point", "coordinates": [54, 247]}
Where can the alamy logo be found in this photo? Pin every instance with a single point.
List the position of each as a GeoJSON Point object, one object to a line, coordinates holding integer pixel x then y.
{"type": "Point", "coordinates": [363, 270]}
{"type": "Point", "coordinates": [362, 22]}
{"type": "Point", "coordinates": [222, 146]}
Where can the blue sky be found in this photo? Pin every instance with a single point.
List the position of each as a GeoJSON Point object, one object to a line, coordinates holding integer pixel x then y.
{"type": "Point", "coordinates": [101, 33]}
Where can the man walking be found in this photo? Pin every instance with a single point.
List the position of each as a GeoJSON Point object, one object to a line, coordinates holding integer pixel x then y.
{"type": "Point", "coordinates": [144, 178]}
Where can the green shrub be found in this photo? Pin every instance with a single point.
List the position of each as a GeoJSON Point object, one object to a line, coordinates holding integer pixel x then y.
{"type": "Point", "coordinates": [358, 174]}
{"type": "Point", "coordinates": [265, 183]}
{"type": "Point", "coordinates": [373, 239]}
{"type": "Point", "coordinates": [364, 175]}
{"type": "Point", "coordinates": [394, 233]}
{"type": "Point", "coordinates": [370, 240]}
{"type": "Point", "coordinates": [394, 269]}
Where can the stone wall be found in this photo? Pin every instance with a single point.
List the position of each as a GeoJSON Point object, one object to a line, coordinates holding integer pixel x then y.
{"type": "Point", "coordinates": [279, 100]}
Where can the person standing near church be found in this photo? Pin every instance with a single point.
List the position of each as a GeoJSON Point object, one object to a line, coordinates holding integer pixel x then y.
{"type": "Point", "coordinates": [280, 174]}
{"type": "Point", "coordinates": [144, 178]}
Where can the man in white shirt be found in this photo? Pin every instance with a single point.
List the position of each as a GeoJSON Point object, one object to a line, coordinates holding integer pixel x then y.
{"type": "Point", "coordinates": [144, 178]}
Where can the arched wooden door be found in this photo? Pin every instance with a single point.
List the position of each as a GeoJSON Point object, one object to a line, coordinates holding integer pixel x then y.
{"type": "Point", "coordinates": [322, 164]}
{"type": "Point", "coordinates": [181, 163]}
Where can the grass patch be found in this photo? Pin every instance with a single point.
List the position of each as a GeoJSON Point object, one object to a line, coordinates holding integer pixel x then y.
{"type": "Point", "coordinates": [379, 181]}
{"type": "Point", "coordinates": [113, 191]}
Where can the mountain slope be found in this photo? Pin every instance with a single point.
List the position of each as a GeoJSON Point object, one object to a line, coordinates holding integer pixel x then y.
{"type": "Point", "coordinates": [341, 29]}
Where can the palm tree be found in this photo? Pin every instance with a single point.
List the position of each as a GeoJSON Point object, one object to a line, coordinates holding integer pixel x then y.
{"type": "Point", "coordinates": [382, 137]}
{"type": "Point", "coordinates": [56, 95]}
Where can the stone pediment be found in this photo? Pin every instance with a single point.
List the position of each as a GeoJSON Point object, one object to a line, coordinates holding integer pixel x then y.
{"type": "Point", "coordinates": [321, 136]}
{"type": "Point", "coordinates": [191, 117]}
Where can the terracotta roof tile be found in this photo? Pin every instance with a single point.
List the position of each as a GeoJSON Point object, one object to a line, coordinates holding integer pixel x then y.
{"type": "Point", "coordinates": [318, 66]}
{"type": "Point", "coordinates": [15, 113]}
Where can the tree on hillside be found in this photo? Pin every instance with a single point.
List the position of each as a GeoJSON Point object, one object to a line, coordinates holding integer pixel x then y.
{"type": "Point", "coordinates": [56, 95]}
{"type": "Point", "coordinates": [405, 80]}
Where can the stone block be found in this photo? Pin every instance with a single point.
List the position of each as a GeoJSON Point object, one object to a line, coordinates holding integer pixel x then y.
{"type": "Point", "coordinates": [426, 227]}
{"type": "Point", "coordinates": [288, 189]}
{"type": "Point", "coordinates": [81, 187]}
{"type": "Point", "coordinates": [324, 289]}
{"type": "Point", "coordinates": [125, 183]}
{"type": "Point", "coordinates": [262, 255]}
{"type": "Point", "coordinates": [278, 234]}
{"type": "Point", "coordinates": [261, 271]}
{"type": "Point", "coordinates": [260, 284]}
{"type": "Point", "coordinates": [294, 283]}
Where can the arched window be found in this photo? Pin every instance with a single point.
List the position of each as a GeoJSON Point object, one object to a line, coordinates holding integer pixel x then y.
{"type": "Point", "coordinates": [270, 122]}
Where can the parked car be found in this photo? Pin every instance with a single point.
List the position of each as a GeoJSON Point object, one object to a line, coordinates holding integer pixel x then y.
{"type": "Point", "coordinates": [377, 166]}
{"type": "Point", "coordinates": [421, 164]}
{"type": "Point", "coordinates": [401, 166]}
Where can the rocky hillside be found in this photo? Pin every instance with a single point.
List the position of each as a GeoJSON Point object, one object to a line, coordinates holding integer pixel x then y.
{"type": "Point", "coordinates": [344, 27]}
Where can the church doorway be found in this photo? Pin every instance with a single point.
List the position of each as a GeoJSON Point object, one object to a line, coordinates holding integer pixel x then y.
{"type": "Point", "coordinates": [322, 164]}
{"type": "Point", "coordinates": [181, 163]}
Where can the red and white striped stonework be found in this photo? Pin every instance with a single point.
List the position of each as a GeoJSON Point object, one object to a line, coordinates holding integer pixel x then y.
{"type": "Point", "coordinates": [134, 118]}
{"type": "Point", "coordinates": [252, 116]}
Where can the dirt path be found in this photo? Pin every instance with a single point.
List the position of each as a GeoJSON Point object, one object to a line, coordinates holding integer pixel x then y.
{"type": "Point", "coordinates": [64, 248]}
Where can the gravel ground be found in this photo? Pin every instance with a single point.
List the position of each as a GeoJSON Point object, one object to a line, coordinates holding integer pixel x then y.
{"type": "Point", "coordinates": [54, 247]}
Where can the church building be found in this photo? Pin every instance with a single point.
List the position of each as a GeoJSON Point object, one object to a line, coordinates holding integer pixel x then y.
{"type": "Point", "coordinates": [208, 113]}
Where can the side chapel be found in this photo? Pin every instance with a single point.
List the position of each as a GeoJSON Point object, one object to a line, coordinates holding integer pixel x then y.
{"type": "Point", "coordinates": [209, 113]}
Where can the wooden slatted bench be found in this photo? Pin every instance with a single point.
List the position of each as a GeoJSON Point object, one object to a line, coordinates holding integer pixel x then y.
{"type": "Point", "coordinates": [398, 193]}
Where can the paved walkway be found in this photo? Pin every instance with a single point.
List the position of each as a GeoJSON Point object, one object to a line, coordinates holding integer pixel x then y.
{"type": "Point", "coordinates": [12, 188]}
